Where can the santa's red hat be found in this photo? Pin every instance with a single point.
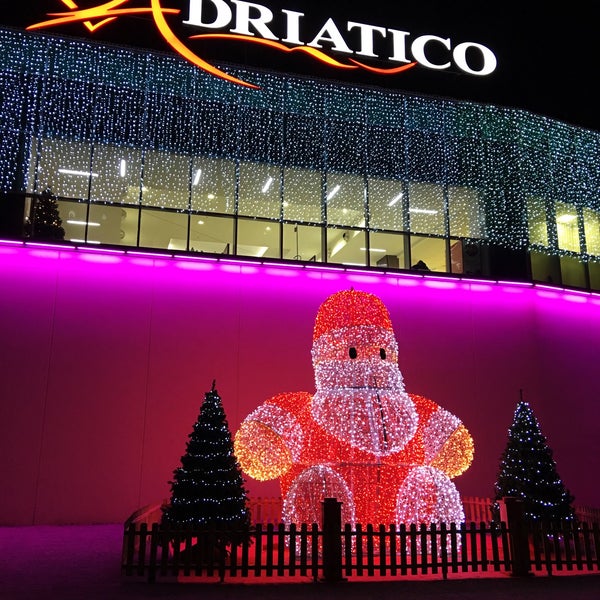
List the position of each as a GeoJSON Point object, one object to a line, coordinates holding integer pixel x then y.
{"type": "Point", "coordinates": [350, 308]}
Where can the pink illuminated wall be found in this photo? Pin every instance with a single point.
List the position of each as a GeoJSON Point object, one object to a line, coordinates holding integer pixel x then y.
{"type": "Point", "coordinates": [106, 359]}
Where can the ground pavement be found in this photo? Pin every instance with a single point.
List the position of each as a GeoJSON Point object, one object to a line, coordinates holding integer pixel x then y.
{"type": "Point", "coordinates": [83, 563]}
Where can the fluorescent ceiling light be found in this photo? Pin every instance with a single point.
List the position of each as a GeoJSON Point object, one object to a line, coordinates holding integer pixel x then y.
{"type": "Point", "coordinates": [74, 172]}
{"type": "Point", "coordinates": [339, 244]}
{"type": "Point", "coordinates": [90, 223]}
{"type": "Point", "coordinates": [267, 185]}
{"type": "Point", "coordinates": [375, 249]}
{"type": "Point", "coordinates": [395, 199]}
{"type": "Point", "coordinates": [123, 168]}
{"type": "Point", "coordinates": [197, 175]}
{"type": "Point", "coordinates": [423, 211]}
{"type": "Point", "coordinates": [77, 241]}
{"type": "Point", "coordinates": [333, 192]}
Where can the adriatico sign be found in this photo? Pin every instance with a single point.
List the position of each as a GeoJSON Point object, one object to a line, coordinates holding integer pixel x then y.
{"type": "Point", "coordinates": [340, 45]}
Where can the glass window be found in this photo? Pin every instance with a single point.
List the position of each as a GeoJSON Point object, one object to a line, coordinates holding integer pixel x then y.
{"type": "Point", "coordinates": [166, 180]}
{"type": "Point", "coordinates": [386, 204]}
{"type": "Point", "coordinates": [572, 272]}
{"type": "Point", "coordinates": [345, 200]}
{"type": "Point", "coordinates": [64, 168]}
{"type": "Point", "coordinates": [464, 213]}
{"type": "Point", "coordinates": [302, 195]}
{"type": "Point", "coordinates": [594, 270]}
{"type": "Point", "coordinates": [130, 219]}
{"type": "Point", "coordinates": [567, 228]}
{"type": "Point", "coordinates": [163, 229]}
{"type": "Point", "coordinates": [258, 238]}
{"type": "Point", "coordinates": [536, 219]}
{"type": "Point", "coordinates": [591, 227]}
{"type": "Point", "coordinates": [387, 250]}
{"type": "Point", "coordinates": [213, 185]}
{"type": "Point", "coordinates": [302, 242]}
{"type": "Point", "coordinates": [105, 224]}
{"type": "Point", "coordinates": [94, 224]}
{"type": "Point", "coordinates": [457, 264]}
{"type": "Point", "coordinates": [74, 219]}
{"type": "Point", "coordinates": [259, 193]}
{"type": "Point", "coordinates": [428, 254]}
{"type": "Point", "coordinates": [211, 234]}
{"type": "Point", "coordinates": [346, 246]}
{"type": "Point", "coordinates": [119, 174]}
{"type": "Point", "coordinates": [544, 267]}
{"type": "Point", "coordinates": [467, 258]}
{"type": "Point", "coordinates": [426, 208]}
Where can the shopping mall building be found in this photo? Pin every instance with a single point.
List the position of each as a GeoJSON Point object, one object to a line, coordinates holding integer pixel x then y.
{"type": "Point", "coordinates": [206, 220]}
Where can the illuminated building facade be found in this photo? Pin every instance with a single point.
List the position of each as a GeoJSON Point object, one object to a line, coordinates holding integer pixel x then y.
{"type": "Point", "coordinates": [146, 150]}
{"type": "Point", "coordinates": [205, 223]}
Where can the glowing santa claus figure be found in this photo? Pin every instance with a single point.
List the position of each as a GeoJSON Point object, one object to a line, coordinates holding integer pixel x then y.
{"type": "Point", "coordinates": [387, 455]}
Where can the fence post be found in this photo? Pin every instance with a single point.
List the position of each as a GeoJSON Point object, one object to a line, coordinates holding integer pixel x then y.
{"type": "Point", "coordinates": [512, 512]}
{"type": "Point", "coordinates": [332, 540]}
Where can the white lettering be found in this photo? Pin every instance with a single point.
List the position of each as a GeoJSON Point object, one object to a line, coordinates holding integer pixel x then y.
{"type": "Point", "coordinates": [366, 37]}
{"type": "Point", "coordinates": [418, 50]}
{"type": "Point", "coordinates": [222, 18]}
{"type": "Point", "coordinates": [460, 58]}
{"type": "Point", "coordinates": [399, 45]}
{"type": "Point", "coordinates": [334, 36]}
{"type": "Point", "coordinates": [243, 20]}
{"type": "Point", "coordinates": [429, 51]}
{"type": "Point", "coordinates": [292, 27]}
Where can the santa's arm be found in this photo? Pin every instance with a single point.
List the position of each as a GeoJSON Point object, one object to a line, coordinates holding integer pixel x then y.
{"type": "Point", "coordinates": [448, 443]}
{"type": "Point", "coordinates": [268, 441]}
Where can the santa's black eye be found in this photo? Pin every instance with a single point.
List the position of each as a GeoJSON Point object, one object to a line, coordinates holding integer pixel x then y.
{"type": "Point", "coordinates": [352, 352]}
{"type": "Point", "coordinates": [382, 353]}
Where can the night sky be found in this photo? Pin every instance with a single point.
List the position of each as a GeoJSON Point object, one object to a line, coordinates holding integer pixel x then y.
{"type": "Point", "coordinates": [547, 58]}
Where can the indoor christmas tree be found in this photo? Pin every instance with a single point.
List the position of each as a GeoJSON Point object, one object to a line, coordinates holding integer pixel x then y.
{"type": "Point", "coordinates": [528, 472]}
{"type": "Point", "coordinates": [47, 224]}
{"type": "Point", "coordinates": [208, 488]}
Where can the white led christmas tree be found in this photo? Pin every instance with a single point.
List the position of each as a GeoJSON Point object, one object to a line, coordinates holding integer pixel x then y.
{"type": "Point", "coordinates": [528, 472]}
{"type": "Point", "coordinates": [208, 488]}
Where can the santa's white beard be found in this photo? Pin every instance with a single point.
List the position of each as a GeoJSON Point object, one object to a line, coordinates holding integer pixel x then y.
{"type": "Point", "coordinates": [364, 404]}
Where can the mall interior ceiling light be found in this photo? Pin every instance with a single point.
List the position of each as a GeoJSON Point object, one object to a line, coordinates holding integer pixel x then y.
{"type": "Point", "coordinates": [423, 211]}
{"type": "Point", "coordinates": [197, 176]}
{"type": "Point", "coordinates": [79, 241]}
{"type": "Point", "coordinates": [75, 172]}
{"type": "Point", "coordinates": [123, 168]}
{"type": "Point", "coordinates": [395, 199]}
{"type": "Point", "coordinates": [267, 185]}
{"type": "Point", "coordinates": [339, 244]}
{"type": "Point", "coordinates": [89, 223]}
{"type": "Point", "coordinates": [333, 192]}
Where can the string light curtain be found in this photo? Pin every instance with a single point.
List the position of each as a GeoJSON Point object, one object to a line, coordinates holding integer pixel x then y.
{"type": "Point", "coordinates": [157, 107]}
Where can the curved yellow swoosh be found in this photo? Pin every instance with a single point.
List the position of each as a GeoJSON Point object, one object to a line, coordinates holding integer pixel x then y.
{"type": "Point", "coordinates": [183, 50]}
